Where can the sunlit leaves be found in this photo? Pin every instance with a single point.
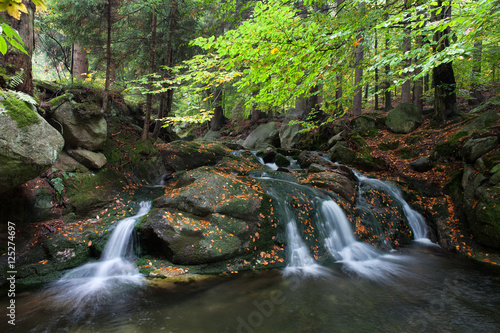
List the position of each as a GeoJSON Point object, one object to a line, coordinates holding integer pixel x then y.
{"type": "Point", "coordinates": [10, 36]}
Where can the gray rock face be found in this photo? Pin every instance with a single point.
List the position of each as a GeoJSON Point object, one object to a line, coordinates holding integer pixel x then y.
{"type": "Point", "coordinates": [89, 159]}
{"type": "Point", "coordinates": [212, 218]}
{"type": "Point", "coordinates": [404, 118]}
{"type": "Point", "coordinates": [88, 133]}
{"type": "Point", "coordinates": [261, 137]}
{"type": "Point", "coordinates": [187, 155]}
{"type": "Point", "coordinates": [26, 152]}
{"type": "Point", "coordinates": [289, 133]}
{"type": "Point", "coordinates": [475, 148]}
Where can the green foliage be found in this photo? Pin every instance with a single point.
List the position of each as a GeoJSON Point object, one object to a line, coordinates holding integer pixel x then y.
{"type": "Point", "coordinates": [58, 182]}
{"type": "Point", "coordinates": [9, 36]}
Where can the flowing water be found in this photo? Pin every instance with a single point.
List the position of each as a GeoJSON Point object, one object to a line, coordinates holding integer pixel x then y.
{"type": "Point", "coordinates": [86, 288]}
{"type": "Point", "coordinates": [346, 286]}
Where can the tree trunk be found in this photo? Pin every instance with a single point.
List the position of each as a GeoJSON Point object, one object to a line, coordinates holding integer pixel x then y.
{"type": "Point", "coordinates": [108, 57]}
{"type": "Point", "coordinates": [376, 74]}
{"type": "Point", "coordinates": [476, 97]}
{"type": "Point", "coordinates": [445, 97]}
{"type": "Point", "coordinates": [387, 82]}
{"type": "Point", "coordinates": [406, 87]}
{"type": "Point", "coordinates": [167, 98]}
{"type": "Point", "coordinates": [14, 61]}
{"type": "Point", "coordinates": [80, 62]}
{"type": "Point", "coordinates": [418, 85]}
{"type": "Point", "coordinates": [149, 97]}
{"type": "Point", "coordinates": [358, 77]}
{"type": "Point", "coordinates": [216, 122]}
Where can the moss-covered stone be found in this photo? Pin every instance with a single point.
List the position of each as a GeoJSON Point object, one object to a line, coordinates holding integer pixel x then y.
{"type": "Point", "coordinates": [404, 118]}
{"type": "Point", "coordinates": [20, 111]}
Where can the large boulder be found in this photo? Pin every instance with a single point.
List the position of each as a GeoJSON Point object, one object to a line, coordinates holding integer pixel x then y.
{"type": "Point", "coordinates": [28, 144]}
{"type": "Point", "coordinates": [262, 137]}
{"type": "Point", "coordinates": [211, 217]}
{"type": "Point", "coordinates": [289, 133]}
{"type": "Point", "coordinates": [89, 159]}
{"type": "Point", "coordinates": [477, 147]}
{"type": "Point", "coordinates": [78, 128]}
{"type": "Point", "coordinates": [188, 155]}
{"type": "Point", "coordinates": [404, 118]}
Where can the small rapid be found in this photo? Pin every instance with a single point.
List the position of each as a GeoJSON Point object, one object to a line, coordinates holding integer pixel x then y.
{"type": "Point", "coordinates": [90, 284]}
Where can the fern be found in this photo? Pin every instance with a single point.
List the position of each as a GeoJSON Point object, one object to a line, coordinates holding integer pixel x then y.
{"type": "Point", "coordinates": [17, 79]}
{"type": "Point", "coordinates": [23, 97]}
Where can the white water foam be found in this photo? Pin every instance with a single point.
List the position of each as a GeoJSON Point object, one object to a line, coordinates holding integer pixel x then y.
{"type": "Point", "coordinates": [92, 282]}
{"type": "Point", "coordinates": [415, 219]}
{"type": "Point", "coordinates": [357, 257]}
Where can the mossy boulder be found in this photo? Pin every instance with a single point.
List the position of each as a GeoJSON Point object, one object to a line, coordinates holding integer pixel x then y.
{"type": "Point", "coordinates": [211, 217]}
{"type": "Point", "coordinates": [404, 118]}
{"type": "Point", "coordinates": [79, 129]}
{"type": "Point", "coordinates": [28, 144]}
{"type": "Point", "coordinates": [477, 147]}
{"type": "Point", "coordinates": [486, 222]}
{"type": "Point", "coordinates": [360, 158]}
{"type": "Point", "coordinates": [263, 136]}
{"type": "Point", "coordinates": [188, 155]}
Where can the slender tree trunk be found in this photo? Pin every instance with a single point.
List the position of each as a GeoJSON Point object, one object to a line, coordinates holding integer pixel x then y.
{"type": "Point", "coordinates": [418, 85]}
{"type": "Point", "coordinates": [149, 97]}
{"type": "Point", "coordinates": [376, 74]}
{"type": "Point", "coordinates": [166, 99]}
{"type": "Point", "coordinates": [15, 61]}
{"type": "Point", "coordinates": [445, 98]}
{"type": "Point", "coordinates": [108, 57]}
{"type": "Point", "coordinates": [216, 122]}
{"type": "Point", "coordinates": [358, 77]}
{"type": "Point", "coordinates": [387, 82]}
{"type": "Point", "coordinates": [80, 62]}
{"type": "Point", "coordinates": [476, 97]}
{"type": "Point", "coordinates": [406, 87]}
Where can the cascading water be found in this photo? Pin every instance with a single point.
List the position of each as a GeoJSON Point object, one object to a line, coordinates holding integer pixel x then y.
{"type": "Point", "coordinates": [89, 283]}
{"type": "Point", "coordinates": [300, 260]}
{"type": "Point", "coordinates": [357, 257]}
{"type": "Point", "coordinates": [415, 219]}
{"type": "Point", "coordinates": [334, 231]}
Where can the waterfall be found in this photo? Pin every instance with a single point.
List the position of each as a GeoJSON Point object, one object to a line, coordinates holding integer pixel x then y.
{"type": "Point", "coordinates": [415, 219]}
{"type": "Point", "coordinates": [335, 234]}
{"type": "Point", "coordinates": [357, 257]}
{"type": "Point", "coordinates": [89, 283]}
{"type": "Point", "coordinates": [270, 166]}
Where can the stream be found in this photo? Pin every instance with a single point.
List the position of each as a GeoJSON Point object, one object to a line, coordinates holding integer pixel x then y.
{"type": "Point", "coordinates": [357, 288]}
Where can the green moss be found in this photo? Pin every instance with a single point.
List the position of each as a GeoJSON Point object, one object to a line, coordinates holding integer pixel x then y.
{"type": "Point", "coordinates": [21, 112]}
{"type": "Point", "coordinates": [56, 102]}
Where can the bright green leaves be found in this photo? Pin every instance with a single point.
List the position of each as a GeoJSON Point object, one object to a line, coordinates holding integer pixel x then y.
{"type": "Point", "coordinates": [10, 36]}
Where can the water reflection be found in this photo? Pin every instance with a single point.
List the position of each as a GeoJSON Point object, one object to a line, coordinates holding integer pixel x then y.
{"type": "Point", "coordinates": [438, 294]}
